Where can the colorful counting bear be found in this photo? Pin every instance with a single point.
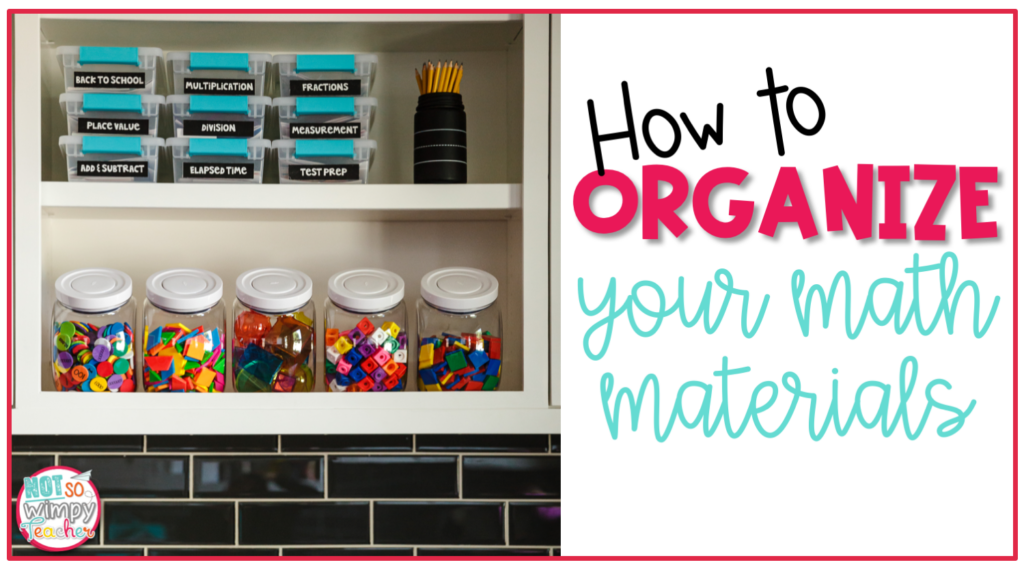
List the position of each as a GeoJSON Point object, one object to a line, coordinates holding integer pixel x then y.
{"type": "Point", "coordinates": [460, 363]}
{"type": "Point", "coordinates": [179, 359]}
{"type": "Point", "coordinates": [366, 358]}
{"type": "Point", "coordinates": [272, 353]}
{"type": "Point", "coordinates": [87, 357]}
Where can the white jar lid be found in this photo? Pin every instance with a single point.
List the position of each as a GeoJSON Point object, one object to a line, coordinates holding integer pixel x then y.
{"type": "Point", "coordinates": [184, 290]}
{"type": "Point", "coordinates": [366, 290]}
{"type": "Point", "coordinates": [274, 290]}
{"type": "Point", "coordinates": [94, 290]}
{"type": "Point", "coordinates": [459, 289]}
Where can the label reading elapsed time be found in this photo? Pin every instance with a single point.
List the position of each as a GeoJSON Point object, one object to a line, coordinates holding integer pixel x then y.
{"type": "Point", "coordinates": [243, 129]}
{"type": "Point", "coordinates": [324, 87]}
{"type": "Point", "coordinates": [227, 171]}
{"type": "Point", "coordinates": [324, 130]}
{"type": "Point", "coordinates": [324, 172]}
{"type": "Point", "coordinates": [109, 80]}
{"type": "Point", "coordinates": [113, 126]}
{"type": "Point", "coordinates": [194, 86]}
{"type": "Point", "coordinates": [113, 169]}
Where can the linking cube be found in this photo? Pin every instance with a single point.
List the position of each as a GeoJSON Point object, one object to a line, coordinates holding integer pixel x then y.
{"type": "Point", "coordinates": [368, 365]}
{"type": "Point", "coordinates": [354, 357]}
{"type": "Point", "coordinates": [382, 356]}
{"type": "Point", "coordinates": [366, 349]}
{"type": "Point", "coordinates": [391, 345]}
{"type": "Point", "coordinates": [391, 328]}
{"type": "Point", "coordinates": [342, 344]}
{"type": "Point", "coordinates": [357, 374]}
{"type": "Point", "coordinates": [401, 356]}
{"type": "Point", "coordinates": [379, 375]}
{"type": "Point", "coordinates": [356, 335]}
{"type": "Point", "coordinates": [333, 355]}
{"type": "Point", "coordinates": [390, 367]}
{"type": "Point", "coordinates": [378, 336]}
{"type": "Point", "coordinates": [343, 367]}
{"type": "Point", "coordinates": [365, 326]}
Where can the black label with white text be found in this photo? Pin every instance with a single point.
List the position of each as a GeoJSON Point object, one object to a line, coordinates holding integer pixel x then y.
{"type": "Point", "coordinates": [324, 130]}
{"type": "Point", "coordinates": [324, 87]}
{"type": "Point", "coordinates": [242, 129]}
{"type": "Point", "coordinates": [113, 126]}
{"type": "Point", "coordinates": [208, 170]}
{"type": "Point", "coordinates": [336, 172]}
{"type": "Point", "coordinates": [109, 80]}
{"type": "Point", "coordinates": [195, 86]}
{"type": "Point", "coordinates": [113, 169]}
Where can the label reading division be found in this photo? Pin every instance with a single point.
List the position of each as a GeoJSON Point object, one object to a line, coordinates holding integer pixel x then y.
{"type": "Point", "coordinates": [229, 171]}
{"type": "Point", "coordinates": [324, 130]}
{"type": "Point", "coordinates": [347, 172]}
{"type": "Point", "coordinates": [113, 126]}
{"type": "Point", "coordinates": [194, 86]}
{"type": "Point", "coordinates": [324, 87]}
{"type": "Point", "coordinates": [113, 169]}
{"type": "Point", "coordinates": [242, 129]}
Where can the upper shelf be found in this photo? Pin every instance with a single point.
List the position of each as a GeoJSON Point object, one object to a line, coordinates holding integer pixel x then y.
{"type": "Point", "coordinates": [384, 201]}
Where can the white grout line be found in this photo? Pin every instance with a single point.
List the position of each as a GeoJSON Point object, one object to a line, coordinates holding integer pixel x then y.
{"type": "Point", "coordinates": [191, 476]}
{"type": "Point", "coordinates": [550, 440]}
{"type": "Point", "coordinates": [458, 473]}
{"type": "Point", "coordinates": [103, 522]}
{"type": "Point", "coordinates": [237, 523]}
{"type": "Point", "coordinates": [415, 552]}
{"type": "Point", "coordinates": [145, 552]}
{"type": "Point", "coordinates": [326, 487]}
{"type": "Point", "coordinates": [315, 500]}
{"type": "Point", "coordinates": [371, 522]}
{"type": "Point", "coordinates": [414, 442]}
{"type": "Point", "coordinates": [145, 442]}
{"type": "Point", "coordinates": [506, 508]}
{"type": "Point", "coordinates": [279, 447]}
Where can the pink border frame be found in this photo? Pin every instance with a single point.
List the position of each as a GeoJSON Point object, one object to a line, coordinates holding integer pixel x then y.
{"type": "Point", "coordinates": [10, 268]}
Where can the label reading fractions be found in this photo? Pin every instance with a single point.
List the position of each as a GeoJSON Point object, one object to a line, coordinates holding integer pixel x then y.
{"type": "Point", "coordinates": [109, 80]}
{"type": "Point", "coordinates": [113, 126]}
{"type": "Point", "coordinates": [197, 86]}
{"type": "Point", "coordinates": [324, 87]}
{"type": "Point", "coordinates": [324, 130]}
{"type": "Point", "coordinates": [113, 169]}
{"type": "Point", "coordinates": [242, 129]}
{"type": "Point", "coordinates": [346, 172]}
{"type": "Point", "coordinates": [243, 171]}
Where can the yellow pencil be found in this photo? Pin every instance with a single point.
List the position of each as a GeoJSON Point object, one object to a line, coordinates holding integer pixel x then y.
{"type": "Point", "coordinates": [419, 80]}
{"type": "Point", "coordinates": [437, 84]}
{"type": "Point", "coordinates": [455, 75]}
{"type": "Point", "coordinates": [448, 86]}
{"type": "Point", "coordinates": [458, 79]}
{"type": "Point", "coordinates": [430, 77]}
{"type": "Point", "coordinates": [444, 77]}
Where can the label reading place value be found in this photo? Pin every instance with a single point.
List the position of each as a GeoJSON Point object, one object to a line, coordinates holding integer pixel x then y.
{"type": "Point", "coordinates": [324, 87]}
{"type": "Point", "coordinates": [194, 86]}
{"type": "Point", "coordinates": [109, 80]}
{"type": "Point", "coordinates": [229, 171]}
{"type": "Point", "coordinates": [113, 169]}
{"type": "Point", "coordinates": [324, 130]}
{"type": "Point", "coordinates": [113, 126]}
{"type": "Point", "coordinates": [348, 172]}
{"type": "Point", "coordinates": [244, 129]}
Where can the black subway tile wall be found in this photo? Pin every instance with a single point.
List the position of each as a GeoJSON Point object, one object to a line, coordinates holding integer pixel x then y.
{"type": "Point", "coordinates": [311, 495]}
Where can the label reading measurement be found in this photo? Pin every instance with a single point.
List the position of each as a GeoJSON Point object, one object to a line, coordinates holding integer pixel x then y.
{"type": "Point", "coordinates": [113, 169]}
{"type": "Point", "coordinates": [324, 130]}
{"type": "Point", "coordinates": [230, 171]}
{"type": "Point", "coordinates": [348, 172]}
{"type": "Point", "coordinates": [109, 80]}
{"type": "Point", "coordinates": [324, 87]}
{"type": "Point", "coordinates": [113, 126]}
{"type": "Point", "coordinates": [242, 129]}
{"type": "Point", "coordinates": [195, 86]}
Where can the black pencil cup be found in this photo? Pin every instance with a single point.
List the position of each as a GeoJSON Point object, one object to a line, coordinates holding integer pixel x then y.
{"type": "Point", "coordinates": [439, 140]}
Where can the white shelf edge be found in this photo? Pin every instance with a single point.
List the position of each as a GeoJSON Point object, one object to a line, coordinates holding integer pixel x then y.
{"type": "Point", "coordinates": [359, 197]}
{"type": "Point", "coordinates": [308, 16]}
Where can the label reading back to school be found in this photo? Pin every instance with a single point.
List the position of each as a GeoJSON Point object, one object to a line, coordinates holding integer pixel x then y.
{"type": "Point", "coordinates": [109, 80]}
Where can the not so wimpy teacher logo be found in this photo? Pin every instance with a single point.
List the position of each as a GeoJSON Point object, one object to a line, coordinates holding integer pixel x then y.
{"type": "Point", "coordinates": [58, 508]}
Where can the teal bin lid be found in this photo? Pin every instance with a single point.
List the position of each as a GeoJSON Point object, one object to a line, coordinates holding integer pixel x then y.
{"type": "Point", "coordinates": [218, 147]}
{"type": "Point", "coordinates": [325, 106]}
{"type": "Point", "coordinates": [203, 60]}
{"type": "Point", "coordinates": [112, 145]}
{"type": "Point", "coordinates": [89, 55]}
{"type": "Point", "coordinates": [120, 102]}
{"type": "Point", "coordinates": [305, 63]}
{"type": "Point", "coordinates": [218, 104]}
{"type": "Point", "coordinates": [344, 148]}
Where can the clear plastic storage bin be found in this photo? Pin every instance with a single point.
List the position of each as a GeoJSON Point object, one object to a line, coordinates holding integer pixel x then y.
{"type": "Point", "coordinates": [111, 158]}
{"type": "Point", "coordinates": [109, 69]}
{"type": "Point", "coordinates": [325, 117]}
{"type": "Point", "coordinates": [325, 75]}
{"type": "Point", "coordinates": [225, 116]}
{"type": "Point", "coordinates": [274, 343]}
{"type": "Point", "coordinates": [119, 114]}
{"type": "Point", "coordinates": [218, 160]}
{"type": "Point", "coordinates": [366, 338]}
{"type": "Point", "coordinates": [92, 326]}
{"type": "Point", "coordinates": [459, 331]}
{"type": "Point", "coordinates": [324, 161]}
{"type": "Point", "coordinates": [202, 73]}
{"type": "Point", "coordinates": [183, 340]}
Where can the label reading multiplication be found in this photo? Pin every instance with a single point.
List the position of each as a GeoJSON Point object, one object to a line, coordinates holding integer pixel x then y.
{"type": "Point", "coordinates": [324, 130]}
{"type": "Point", "coordinates": [328, 87]}
{"type": "Point", "coordinates": [230, 171]}
{"type": "Point", "coordinates": [195, 86]}
{"type": "Point", "coordinates": [113, 126]}
{"type": "Point", "coordinates": [109, 80]}
{"type": "Point", "coordinates": [113, 169]}
{"type": "Point", "coordinates": [324, 172]}
{"type": "Point", "coordinates": [244, 129]}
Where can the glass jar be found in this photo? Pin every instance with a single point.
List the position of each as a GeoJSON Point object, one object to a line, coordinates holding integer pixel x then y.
{"type": "Point", "coordinates": [92, 340]}
{"type": "Point", "coordinates": [184, 334]}
{"type": "Point", "coordinates": [459, 331]}
{"type": "Point", "coordinates": [273, 347]}
{"type": "Point", "coordinates": [366, 338]}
